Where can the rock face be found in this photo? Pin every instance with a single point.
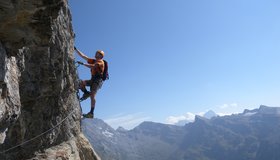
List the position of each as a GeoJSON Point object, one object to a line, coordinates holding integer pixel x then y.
{"type": "Point", "coordinates": [39, 109]}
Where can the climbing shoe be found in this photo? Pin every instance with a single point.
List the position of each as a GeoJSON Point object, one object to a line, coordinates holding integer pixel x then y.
{"type": "Point", "coordinates": [89, 115]}
{"type": "Point", "coordinates": [85, 96]}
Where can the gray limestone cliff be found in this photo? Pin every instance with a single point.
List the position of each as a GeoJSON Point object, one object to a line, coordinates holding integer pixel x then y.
{"type": "Point", "coordinates": [39, 109]}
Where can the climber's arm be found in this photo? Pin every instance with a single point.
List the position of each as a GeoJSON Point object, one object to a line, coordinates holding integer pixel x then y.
{"type": "Point", "coordinates": [89, 65]}
{"type": "Point", "coordinates": [81, 54]}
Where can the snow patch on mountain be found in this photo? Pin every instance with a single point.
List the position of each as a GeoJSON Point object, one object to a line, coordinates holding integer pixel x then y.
{"type": "Point", "coordinates": [107, 134]}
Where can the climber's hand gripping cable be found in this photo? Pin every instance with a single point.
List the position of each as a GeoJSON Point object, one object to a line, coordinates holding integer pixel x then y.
{"type": "Point", "coordinates": [79, 62]}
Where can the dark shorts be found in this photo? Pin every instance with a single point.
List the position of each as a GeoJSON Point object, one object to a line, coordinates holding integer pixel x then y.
{"type": "Point", "coordinates": [95, 84]}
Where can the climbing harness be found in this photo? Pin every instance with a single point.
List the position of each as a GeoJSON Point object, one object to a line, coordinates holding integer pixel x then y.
{"type": "Point", "coordinates": [58, 124]}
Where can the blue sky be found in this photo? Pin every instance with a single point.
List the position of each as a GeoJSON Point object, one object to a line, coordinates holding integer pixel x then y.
{"type": "Point", "coordinates": [173, 57]}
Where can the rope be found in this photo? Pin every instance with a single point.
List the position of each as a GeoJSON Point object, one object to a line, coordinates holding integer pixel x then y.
{"type": "Point", "coordinates": [77, 65]}
{"type": "Point", "coordinates": [37, 135]}
{"type": "Point", "coordinates": [2, 152]}
{"type": "Point", "coordinates": [76, 62]}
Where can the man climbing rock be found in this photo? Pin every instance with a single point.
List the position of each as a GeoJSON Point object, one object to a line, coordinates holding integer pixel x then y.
{"type": "Point", "coordinates": [99, 73]}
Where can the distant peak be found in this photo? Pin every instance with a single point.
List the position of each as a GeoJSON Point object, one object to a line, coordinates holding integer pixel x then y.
{"type": "Point", "coordinates": [263, 109]}
{"type": "Point", "coordinates": [209, 114]}
{"type": "Point", "coordinates": [263, 106]}
{"type": "Point", "coordinates": [121, 129]}
{"type": "Point", "coordinates": [269, 110]}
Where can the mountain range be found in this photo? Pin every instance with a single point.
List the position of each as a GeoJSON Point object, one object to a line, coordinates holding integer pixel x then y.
{"type": "Point", "coordinates": [251, 135]}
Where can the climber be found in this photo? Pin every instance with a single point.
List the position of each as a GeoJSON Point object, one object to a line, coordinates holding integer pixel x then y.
{"type": "Point", "coordinates": [99, 73]}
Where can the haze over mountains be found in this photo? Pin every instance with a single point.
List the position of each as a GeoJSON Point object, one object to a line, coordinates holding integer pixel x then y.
{"type": "Point", "coordinates": [251, 135]}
